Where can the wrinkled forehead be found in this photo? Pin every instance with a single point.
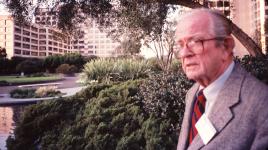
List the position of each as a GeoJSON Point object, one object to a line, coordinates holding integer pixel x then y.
{"type": "Point", "coordinates": [191, 25]}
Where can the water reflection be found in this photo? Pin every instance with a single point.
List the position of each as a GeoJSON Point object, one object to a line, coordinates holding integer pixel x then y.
{"type": "Point", "coordinates": [8, 118]}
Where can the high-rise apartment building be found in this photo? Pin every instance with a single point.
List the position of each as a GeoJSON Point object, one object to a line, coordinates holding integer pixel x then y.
{"type": "Point", "coordinates": [90, 41]}
{"type": "Point", "coordinates": [93, 41]}
{"type": "Point", "coordinates": [250, 16]}
{"type": "Point", "coordinates": [31, 40]}
{"type": "Point", "coordinates": [225, 6]}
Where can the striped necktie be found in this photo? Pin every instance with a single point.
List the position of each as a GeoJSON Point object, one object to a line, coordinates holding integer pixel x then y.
{"type": "Point", "coordinates": [199, 109]}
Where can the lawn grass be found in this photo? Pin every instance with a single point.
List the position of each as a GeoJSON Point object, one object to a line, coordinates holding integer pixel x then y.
{"type": "Point", "coordinates": [21, 80]}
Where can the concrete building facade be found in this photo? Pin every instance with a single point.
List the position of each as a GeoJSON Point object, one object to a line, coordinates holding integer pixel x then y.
{"type": "Point", "coordinates": [250, 16]}
{"type": "Point", "coordinates": [94, 41]}
{"type": "Point", "coordinates": [31, 40]}
{"type": "Point", "coordinates": [90, 41]}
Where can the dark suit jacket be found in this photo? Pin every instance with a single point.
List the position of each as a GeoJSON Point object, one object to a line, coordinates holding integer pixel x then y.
{"type": "Point", "coordinates": [240, 115]}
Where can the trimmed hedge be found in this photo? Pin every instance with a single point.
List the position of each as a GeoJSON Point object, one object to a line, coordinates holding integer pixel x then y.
{"type": "Point", "coordinates": [103, 116]}
{"type": "Point", "coordinates": [257, 66]}
{"type": "Point", "coordinates": [67, 69]}
{"type": "Point", "coordinates": [35, 93]}
{"type": "Point", "coordinates": [163, 95]}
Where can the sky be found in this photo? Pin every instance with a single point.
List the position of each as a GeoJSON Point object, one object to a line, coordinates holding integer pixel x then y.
{"type": "Point", "coordinates": [3, 10]}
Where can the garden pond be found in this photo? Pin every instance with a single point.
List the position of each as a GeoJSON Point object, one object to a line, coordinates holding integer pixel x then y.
{"type": "Point", "coordinates": [9, 116]}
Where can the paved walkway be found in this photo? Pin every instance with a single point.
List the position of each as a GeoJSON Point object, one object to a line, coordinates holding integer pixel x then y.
{"type": "Point", "coordinates": [67, 82]}
{"type": "Point", "coordinates": [68, 86]}
{"type": "Point", "coordinates": [5, 99]}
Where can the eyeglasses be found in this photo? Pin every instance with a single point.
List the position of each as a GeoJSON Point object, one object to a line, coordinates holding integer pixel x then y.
{"type": "Point", "coordinates": [194, 45]}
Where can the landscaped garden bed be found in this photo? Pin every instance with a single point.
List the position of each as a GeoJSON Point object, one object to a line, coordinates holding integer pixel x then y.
{"type": "Point", "coordinates": [41, 92]}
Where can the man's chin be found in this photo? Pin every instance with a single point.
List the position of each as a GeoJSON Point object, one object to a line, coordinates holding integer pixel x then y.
{"type": "Point", "coordinates": [192, 76]}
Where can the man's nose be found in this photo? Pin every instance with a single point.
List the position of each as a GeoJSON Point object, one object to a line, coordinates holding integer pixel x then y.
{"type": "Point", "coordinates": [185, 52]}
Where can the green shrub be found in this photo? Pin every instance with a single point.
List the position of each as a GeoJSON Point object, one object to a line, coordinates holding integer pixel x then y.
{"type": "Point", "coordinates": [54, 61]}
{"type": "Point", "coordinates": [30, 66]}
{"type": "Point", "coordinates": [257, 66]}
{"type": "Point", "coordinates": [4, 67]}
{"type": "Point", "coordinates": [73, 69]}
{"type": "Point", "coordinates": [49, 91]}
{"type": "Point", "coordinates": [66, 69]}
{"type": "Point", "coordinates": [38, 74]}
{"type": "Point", "coordinates": [22, 93]}
{"type": "Point", "coordinates": [104, 116]}
{"type": "Point", "coordinates": [8, 66]}
{"type": "Point", "coordinates": [106, 70]}
{"type": "Point", "coordinates": [164, 96]}
{"type": "Point", "coordinates": [74, 59]}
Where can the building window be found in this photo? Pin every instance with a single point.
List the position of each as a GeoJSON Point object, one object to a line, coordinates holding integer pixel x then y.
{"type": "Point", "coordinates": [26, 53]}
{"type": "Point", "coordinates": [25, 39]}
{"type": "Point", "coordinates": [34, 47]}
{"type": "Point", "coordinates": [17, 44]}
{"type": "Point", "coordinates": [42, 36]}
{"type": "Point", "coordinates": [34, 53]}
{"type": "Point", "coordinates": [42, 54]}
{"type": "Point", "coordinates": [34, 41]}
{"type": "Point", "coordinates": [16, 51]}
{"type": "Point", "coordinates": [26, 32]}
{"type": "Point", "coordinates": [34, 29]}
{"type": "Point", "coordinates": [42, 30]}
{"type": "Point", "coordinates": [34, 35]}
{"type": "Point", "coordinates": [27, 27]}
{"type": "Point", "coordinates": [42, 48]}
{"type": "Point", "coordinates": [90, 46]}
{"type": "Point", "coordinates": [27, 46]}
{"type": "Point", "coordinates": [17, 37]}
{"type": "Point", "coordinates": [17, 30]}
{"type": "Point", "coordinates": [42, 42]}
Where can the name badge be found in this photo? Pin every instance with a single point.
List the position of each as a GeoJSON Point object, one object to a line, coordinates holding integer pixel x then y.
{"type": "Point", "coordinates": [205, 129]}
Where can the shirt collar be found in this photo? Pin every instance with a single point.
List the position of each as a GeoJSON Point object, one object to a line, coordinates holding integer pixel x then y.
{"type": "Point", "coordinates": [212, 90]}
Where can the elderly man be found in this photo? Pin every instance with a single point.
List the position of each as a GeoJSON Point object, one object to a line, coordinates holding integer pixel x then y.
{"type": "Point", "coordinates": [227, 108]}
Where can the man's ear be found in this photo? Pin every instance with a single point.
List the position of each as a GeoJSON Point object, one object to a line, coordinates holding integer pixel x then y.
{"type": "Point", "coordinates": [229, 43]}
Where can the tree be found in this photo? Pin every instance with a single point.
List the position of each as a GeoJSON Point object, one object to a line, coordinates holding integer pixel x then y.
{"type": "Point", "coordinates": [3, 53]}
{"type": "Point", "coordinates": [125, 13]}
{"type": "Point", "coordinates": [130, 45]}
{"type": "Point", "coordinates": [163, 44]}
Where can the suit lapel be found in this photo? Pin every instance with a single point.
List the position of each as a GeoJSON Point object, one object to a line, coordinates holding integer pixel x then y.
{"type": "Point", "coordinates": [221, 113]}
{"type": "Point", "coordinates": [186, 118]}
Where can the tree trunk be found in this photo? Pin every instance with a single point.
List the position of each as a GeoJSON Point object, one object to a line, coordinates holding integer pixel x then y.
{"type": "Point", "coordinates": [245, 40]}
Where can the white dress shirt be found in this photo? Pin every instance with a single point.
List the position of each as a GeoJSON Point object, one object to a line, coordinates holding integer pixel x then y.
{"type": "Point", "coordinates": [212, 90]}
